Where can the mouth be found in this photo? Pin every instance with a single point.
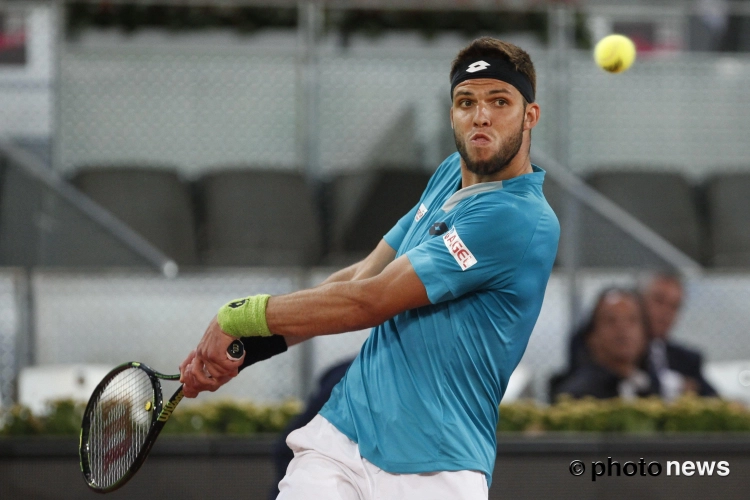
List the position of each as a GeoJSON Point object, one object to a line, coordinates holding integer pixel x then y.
{"type": "Point", "coordinates": [479, 139]}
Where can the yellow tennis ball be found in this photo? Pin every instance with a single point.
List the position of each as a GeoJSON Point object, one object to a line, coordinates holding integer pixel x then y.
{"type": "Point", "coordinates": [614, 53]}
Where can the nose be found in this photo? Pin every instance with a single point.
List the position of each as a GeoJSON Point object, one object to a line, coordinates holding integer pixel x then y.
{"type": "Point", "coordinates": [481, 116]}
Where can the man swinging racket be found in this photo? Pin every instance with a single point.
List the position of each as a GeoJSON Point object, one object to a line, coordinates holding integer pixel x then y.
{"type": "Point", "coordinates": [452, 292]}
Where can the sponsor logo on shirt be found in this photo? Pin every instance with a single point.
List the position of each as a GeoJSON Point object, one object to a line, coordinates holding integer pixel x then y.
{"type": "Point", "coordinates": [420, 212]}
{"type": "Point", "coordinates": [458, 250]}
{"type": "Point", "coordinates": [438, 228]}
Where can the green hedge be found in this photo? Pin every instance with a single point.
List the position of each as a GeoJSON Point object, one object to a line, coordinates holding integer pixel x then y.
{"type": "Point", "coordinates": [222, 417]}
{"type": "Point", "coordinates": [689, 414]}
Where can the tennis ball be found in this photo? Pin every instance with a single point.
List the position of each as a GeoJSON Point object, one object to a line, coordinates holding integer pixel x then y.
{"type": "Point", "coordinates": [614, 53]}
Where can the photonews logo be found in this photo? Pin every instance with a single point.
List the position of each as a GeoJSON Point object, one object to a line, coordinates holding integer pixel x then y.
{"type": "Point", "coordinates": [640, 468]}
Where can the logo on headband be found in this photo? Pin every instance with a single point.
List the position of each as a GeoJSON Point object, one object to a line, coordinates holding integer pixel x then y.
{"type": "Point", "coordinates": [477, 66]}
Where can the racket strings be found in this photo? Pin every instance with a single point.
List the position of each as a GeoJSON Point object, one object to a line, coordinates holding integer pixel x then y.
{"type": "Point", "coordinates": [120, 422]}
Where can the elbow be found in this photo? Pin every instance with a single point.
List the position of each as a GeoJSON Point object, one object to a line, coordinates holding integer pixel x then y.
{"type": "Point", "coordinates": [371, 305]}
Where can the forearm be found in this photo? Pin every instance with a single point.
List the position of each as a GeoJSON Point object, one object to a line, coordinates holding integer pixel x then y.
{"type": "Point", "coordinates": [345, 274]}
{"type": "Point", "coordinates": [331, 308]}
{"type": "Point", "coordinates": [371, 266]}
{"type": "Point", "coordinates": [347, 306]}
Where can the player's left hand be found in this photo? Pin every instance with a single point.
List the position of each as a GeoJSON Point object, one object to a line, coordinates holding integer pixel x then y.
{"type": "Point", "coordinates": [208, 367]}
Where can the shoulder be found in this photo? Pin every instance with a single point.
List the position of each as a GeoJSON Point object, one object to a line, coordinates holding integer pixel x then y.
{"type": "Point", "coordinates": [515, 220]}
{"type": "Point", "coordinates": [448, 171]}
{"type": "Point", "coordinates": [682, 353]}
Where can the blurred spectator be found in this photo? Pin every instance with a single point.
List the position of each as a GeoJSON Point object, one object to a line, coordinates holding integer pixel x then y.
{"type": "Point", "coordinates": [678, 368]}
{"type": "Point", "coordinates": [282, 455]}
{"type": "Point", "coordinates": [609, 352]}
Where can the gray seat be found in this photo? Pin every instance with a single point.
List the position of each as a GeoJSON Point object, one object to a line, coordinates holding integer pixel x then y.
{"type": "Point", "coordinates": [366, 205]}
{"type": "Point", "coordinates": [257, 217]}
{"type": "Point", "coordinates": [154, 202]}
{"type": "Point", "coordinates": [663, 201]}
{"type": "Point", "coordinates": [728, 206]}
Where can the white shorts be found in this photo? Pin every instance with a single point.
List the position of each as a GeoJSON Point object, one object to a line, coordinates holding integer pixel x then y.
{"type": "Point", "coordinates": [327, 466]}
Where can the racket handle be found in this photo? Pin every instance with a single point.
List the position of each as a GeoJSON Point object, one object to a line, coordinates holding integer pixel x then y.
{"type": "Point", "coordinates": [235, 350]}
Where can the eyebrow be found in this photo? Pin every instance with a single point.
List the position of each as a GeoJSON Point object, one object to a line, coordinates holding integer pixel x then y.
{"type": "Point", "coordinates": [491, 92]}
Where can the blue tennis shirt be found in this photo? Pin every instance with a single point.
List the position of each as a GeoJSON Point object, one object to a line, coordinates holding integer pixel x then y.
{"type": "Point", "coordinates": [423, 393]}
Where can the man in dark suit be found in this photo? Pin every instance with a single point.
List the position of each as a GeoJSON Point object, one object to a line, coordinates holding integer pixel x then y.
{"type": "Point", "coordinates": [609, 352]}
{"type": "Point", "coordinates": [678, 368]}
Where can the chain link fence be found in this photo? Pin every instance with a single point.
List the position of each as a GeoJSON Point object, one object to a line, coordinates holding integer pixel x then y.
{"type": "Point", "coordinates": [121, 316]}
{"type": "Point", "coordinates": [188, 109]}
{"type": "Point", "coordinates": [197, 103]}
{"type": "Point", "coordinates": [686, 113]}
{"type": "Point", "coordinates": [199, 109]}
{"type": "Point", "coordinates": [111, 317]}
{"type": "Point", "coordinates": [11, 329]}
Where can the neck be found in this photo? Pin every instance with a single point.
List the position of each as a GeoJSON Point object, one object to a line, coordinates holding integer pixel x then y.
{"type": "Point", "coordinates": [519, 165]}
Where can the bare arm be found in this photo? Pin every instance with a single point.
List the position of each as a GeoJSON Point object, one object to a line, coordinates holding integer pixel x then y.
{"type": "Point", "coordinates": [331, 308]}
{"type": "Point", "coordinates": [370, 266]}
{"type": "Point", "coordinates": [346, 306]}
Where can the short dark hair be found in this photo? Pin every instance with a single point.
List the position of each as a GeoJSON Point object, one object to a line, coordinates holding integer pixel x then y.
{"type": "Point", "coordinates": [660, 275]}
{"type": "Point", "coordinates": [492, 47]}
{"type": "Point", "coordinates": [630, 293]}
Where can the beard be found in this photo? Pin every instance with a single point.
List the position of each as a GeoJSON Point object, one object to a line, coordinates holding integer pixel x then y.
{"type": "Point", "coordinates": [499, 162]}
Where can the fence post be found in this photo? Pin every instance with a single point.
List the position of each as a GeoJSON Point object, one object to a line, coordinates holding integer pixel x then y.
{"type": "Point", "coordinates": [309, 25]}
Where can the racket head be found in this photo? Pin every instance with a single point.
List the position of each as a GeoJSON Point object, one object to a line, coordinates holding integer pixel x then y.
{"type": "Point", "coordinates": [119, 426]}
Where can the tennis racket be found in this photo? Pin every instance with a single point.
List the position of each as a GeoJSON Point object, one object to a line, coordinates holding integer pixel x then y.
{"type": "Point", "coordinates": [123, 418]}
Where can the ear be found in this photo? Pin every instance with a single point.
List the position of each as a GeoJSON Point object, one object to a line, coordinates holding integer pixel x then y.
{"type": "Point", "coordinates": [531, 116]}
{"type": "Point", "coordinates": [451, 117]}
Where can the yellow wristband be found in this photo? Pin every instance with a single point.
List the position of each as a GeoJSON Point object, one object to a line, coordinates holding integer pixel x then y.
{"type": "Point", "coordinates": [245, 317]}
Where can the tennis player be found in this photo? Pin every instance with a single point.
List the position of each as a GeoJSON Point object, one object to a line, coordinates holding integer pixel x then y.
{"type": "Point", "coordinates": [452, 292]}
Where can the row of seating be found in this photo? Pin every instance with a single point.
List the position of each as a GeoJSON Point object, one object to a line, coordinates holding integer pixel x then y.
{"type": "Point", "coordinates": [708, 222]}
{"type": "Point", "coordinates": [251, 216]}
{"type": "Point", "coordinates": [246, 217]}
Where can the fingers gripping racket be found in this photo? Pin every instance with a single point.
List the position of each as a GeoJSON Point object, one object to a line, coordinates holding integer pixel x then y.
{"type": "Point", "coordinates": [123, 418]}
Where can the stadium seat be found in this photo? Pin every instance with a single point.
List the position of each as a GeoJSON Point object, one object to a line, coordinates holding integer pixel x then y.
{"type": "Point", "coordinates": [663, 201]}
{"type": "Point", "coordinates": [728, 205]}
{"type": "Point", "coordinates": [255, 217]}
{"type": "Point", "coordinates": [153, 201]}
{"type": "Point", "coordinates": [365, 205]}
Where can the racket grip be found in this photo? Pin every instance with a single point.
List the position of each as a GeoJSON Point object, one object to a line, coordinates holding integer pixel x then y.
{"type": "Point", "coordinates": [235, 350]}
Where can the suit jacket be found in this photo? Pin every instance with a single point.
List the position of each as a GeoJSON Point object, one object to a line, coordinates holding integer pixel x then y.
{"type": "Point", "coordinates": [591, 379]}
{"type": "Point", "coordinates": [688, 363]}
{"type": "Point", "coordinates": [684, 361]}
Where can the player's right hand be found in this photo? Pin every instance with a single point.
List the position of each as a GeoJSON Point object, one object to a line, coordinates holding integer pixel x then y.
{"type": "Point", "coordinates": [208, 367]}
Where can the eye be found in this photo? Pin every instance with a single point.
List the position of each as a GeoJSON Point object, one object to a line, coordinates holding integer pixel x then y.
{"type": "Point", "coordinates": [465, 103]}
{"type": "Point", "coordinates": [501, 102]}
